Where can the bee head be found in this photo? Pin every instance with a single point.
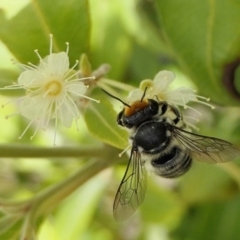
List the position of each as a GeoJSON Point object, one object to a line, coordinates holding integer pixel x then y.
{"type": "Point", "coordinates": [139, 111]}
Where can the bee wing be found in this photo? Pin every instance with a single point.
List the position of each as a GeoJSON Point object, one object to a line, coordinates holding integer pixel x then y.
{"type": "Point", "coordinates": [206, 149]}
{"type": "Point", "coordinates": [132, 189]}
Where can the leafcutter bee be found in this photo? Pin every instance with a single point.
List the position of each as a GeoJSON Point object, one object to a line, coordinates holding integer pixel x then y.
{"type": "Point", "coordinates": [158, 139]}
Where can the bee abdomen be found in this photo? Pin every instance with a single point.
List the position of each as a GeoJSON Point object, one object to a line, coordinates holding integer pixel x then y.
{"type": "Point", "coordinates": [172, 164]}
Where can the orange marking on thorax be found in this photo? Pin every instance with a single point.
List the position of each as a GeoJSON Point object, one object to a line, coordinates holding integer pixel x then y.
{"type": "Point", "coordinates": [135, 107]}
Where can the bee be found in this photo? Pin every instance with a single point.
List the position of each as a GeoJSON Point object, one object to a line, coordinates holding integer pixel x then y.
{"type": "Point", "coordinates": [160, 142]}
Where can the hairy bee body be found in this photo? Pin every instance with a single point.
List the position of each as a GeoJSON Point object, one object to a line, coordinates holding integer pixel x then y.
{"type": "Point", "coordinates": [150, 135]}
{"type": "Point", "coordinates": [160, 142]}
{"type": "Point", "coordinates": [161, 153]}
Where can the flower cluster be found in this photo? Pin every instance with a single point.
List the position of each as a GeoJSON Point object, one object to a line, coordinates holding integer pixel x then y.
{"type": "Point", "coordinates": [159, 88]}
{"type": "Point", "coordinates": [52, 89]}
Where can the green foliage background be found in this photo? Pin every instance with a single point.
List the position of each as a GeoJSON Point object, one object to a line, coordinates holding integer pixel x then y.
{"type": "Point", "coordinates": [197, 39]}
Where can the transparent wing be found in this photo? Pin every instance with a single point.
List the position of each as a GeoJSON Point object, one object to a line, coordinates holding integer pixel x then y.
{"type": "Point", "coordinates": [132, 189]}
{"type": "Point", "coordinates": [206, 149]}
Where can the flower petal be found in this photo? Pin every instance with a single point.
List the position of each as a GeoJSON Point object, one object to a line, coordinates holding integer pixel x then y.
{"type": "Point", "coordinates": [55, 64]}
{"type": "Point", "coordinates": [33, 108]}
{"type": "Point", "coordinates": [134, 95]}
{"type": "Point", "coordinates": [29, 78]}
{"type": "Point", "coordinates": [67, 112]}
{"type": "Point", "coordinates": [162, 80]}
{"type": "Point", "coordinates": [180, 96]}
{"type": "Point", "coordinates": [76, 88]}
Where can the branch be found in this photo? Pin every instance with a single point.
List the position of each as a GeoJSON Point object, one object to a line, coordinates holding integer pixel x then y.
{"type": "Point", "coordinates": [29, 151]}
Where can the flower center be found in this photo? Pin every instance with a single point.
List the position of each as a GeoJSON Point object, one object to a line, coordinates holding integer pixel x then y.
{"type": "Point", "coordinates": [53, 88]}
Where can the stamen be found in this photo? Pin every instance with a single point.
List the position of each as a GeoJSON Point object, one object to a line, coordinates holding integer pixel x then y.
{"type": "Point", "coordinates": [14, 86]}
{"type": "Point", "coordinates": [47, 116]}
{"type": "Point", "coordinates": [11, 115]}
{"type": "Point", "coordinates": [195, 119]}
{"type": "Point", "coordinates": [55, 132]}
{"type": "Point", "coordinates": [24, 66]}
{"type": "Point", "coordinates": [30, 123]}
{"type": "Point", "coordinates": [36, 51]}
{"type": "Point", "coordinates": [191, 125]}
{"type": "Point", "coordinates": [51, 43]}
{"type": "Point", "coordinates": [35, 132]}
{"type": "Point", "coordinates": [204, 103]}
{"type": "Point", "coordinates": [33, 66]}
{"type": "Point", "coordinates": [193, 109]}
{"type": "Point", "coordinates": [32, 93]}
{"type": "Point", "coordinates": [204, 98]}
{"type": "Point", "coordinates": [124, 150]}
{"type": "Point", "coordinates": [14, 100]}
{"type": "Point", "coordinates": [47, 92]}
{"type": "Point", "coordinates": [78, 79]}
{"type": "Point", "coordinates": [67, 43]}
{"type": "Point", "coordinates": [69, 70]}
{"type": "Point", "coordinates": [40, 58]}
{"type": "Point", "coordinates": [76, 122]}
{"type": "Point", "coordinates": [74, 105]}
{"type": "Point", "coordinates": [84, 96]}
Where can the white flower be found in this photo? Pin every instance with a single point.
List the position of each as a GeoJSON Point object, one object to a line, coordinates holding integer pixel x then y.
{"type": "Point", "coordinates": [158, 88]}
{"type": "Point", "coordinates": [51, 91]}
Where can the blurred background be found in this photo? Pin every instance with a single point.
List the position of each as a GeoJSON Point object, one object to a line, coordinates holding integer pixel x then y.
{"type": "Point", "coordinates": [199, 41]}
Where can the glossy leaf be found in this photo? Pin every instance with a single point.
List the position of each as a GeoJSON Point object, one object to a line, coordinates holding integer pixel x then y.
{"type": "Point", "coordinates": [214, 184]}
{"type": "Point", "coordinates": [68, 21]}
{"type": "Point", "coordinates": [101, 122]}
{"type": "Point", "coordinates": [212, 220]}
{"type": "Point", "coordinates": [110, 44]}
{"type": "Point", "coordinates": [161, 206]}
{"type": "Point", "coordinates": [204, 38]}
{"type": "Point", "coordinates": [88, 197]}
{"type": "Point", "coordinates": [13, 232]}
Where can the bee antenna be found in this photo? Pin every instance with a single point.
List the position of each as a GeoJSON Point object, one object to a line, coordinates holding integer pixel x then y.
{"type": "Point", "coordinates": [144, 93]}
{"type": "Point", "coordinates": [109, 94]}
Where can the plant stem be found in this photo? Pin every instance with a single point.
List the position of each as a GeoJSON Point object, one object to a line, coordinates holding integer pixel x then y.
{"type": "Point", "coordinates": [27, 151]}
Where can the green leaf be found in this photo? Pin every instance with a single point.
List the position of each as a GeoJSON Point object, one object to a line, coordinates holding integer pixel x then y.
{"type": "Point", "coordinates": [210, 181]}
{"type": "Point", "coordinates": [80, 207]}
{"type": "Point", "coordinates": [161, 206]}
{"type": "Point", "coordinates": [101, 122]}
{"type": "Point", "coordinates": [68, 21]}
{"type": "Point", "coordinates": [204, 38]}
{"type": "Point", "coordinates": [212, 220]}
{"type": "Point", "coordinates": [110, 44]}
{"type": "Point", "coordinates": [13, 232]}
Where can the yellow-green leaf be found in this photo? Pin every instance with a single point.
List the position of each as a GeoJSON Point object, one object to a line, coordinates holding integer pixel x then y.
{"type": "Point", "coordinates": [68, 21]}
{"type": "Point", "coordinates": [101, 122]}
{"type": "Point", "coordinates": [204, 36]}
